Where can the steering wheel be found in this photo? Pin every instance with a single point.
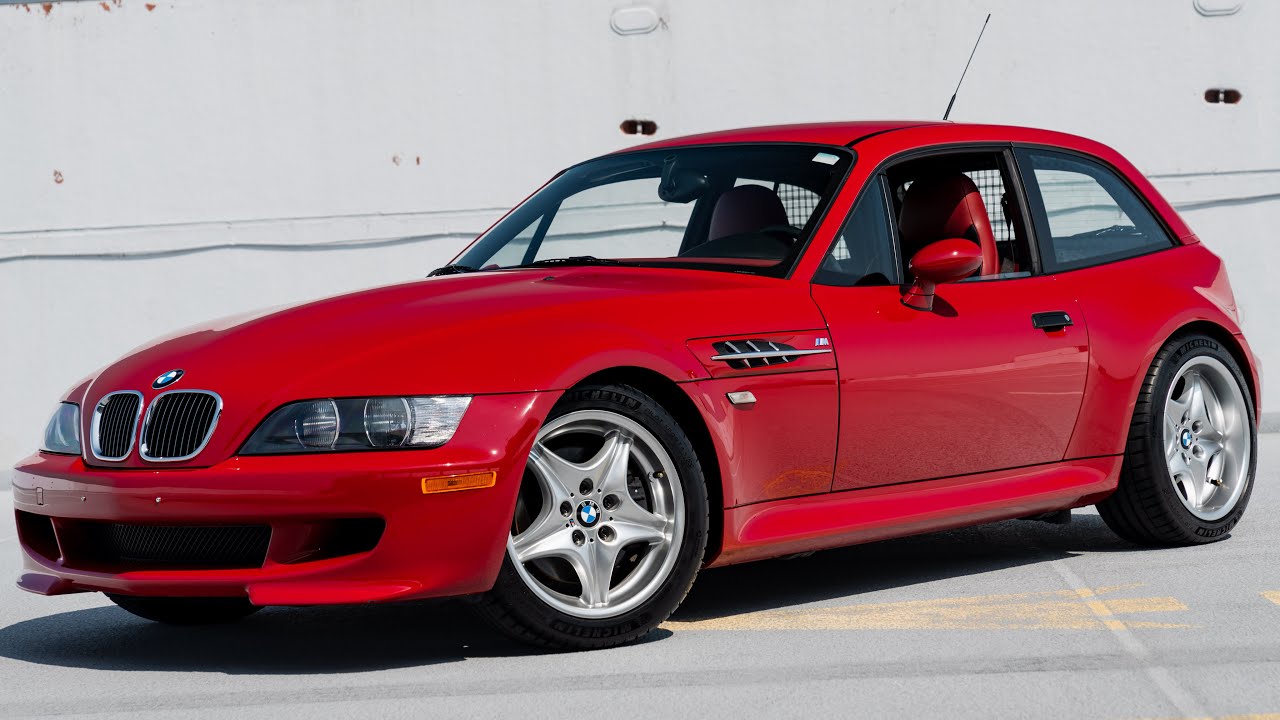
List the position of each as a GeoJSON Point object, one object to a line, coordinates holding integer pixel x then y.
{"type": "Point", "coordinates": [791, 232]}
{"type": "Point", "coordinates": [760, 244]}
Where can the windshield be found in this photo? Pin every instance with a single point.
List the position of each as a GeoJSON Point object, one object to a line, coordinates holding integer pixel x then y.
{"type": "Point", "coordinates": [739, 208]}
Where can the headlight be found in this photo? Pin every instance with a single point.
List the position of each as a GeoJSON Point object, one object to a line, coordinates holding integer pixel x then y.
{"type": "Point", "coordinates": [62, 434]}
{"type": "Point", "coordinates": [343, 424]}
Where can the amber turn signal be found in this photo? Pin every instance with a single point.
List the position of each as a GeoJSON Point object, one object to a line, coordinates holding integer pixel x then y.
{"type": "Point", "coordinates": [450, 483]}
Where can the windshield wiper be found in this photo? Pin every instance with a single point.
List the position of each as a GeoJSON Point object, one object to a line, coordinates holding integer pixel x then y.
{"type": "Point", "coordinates": [452, 270]}
{"type": "Point", "coordinates": [575, 260]}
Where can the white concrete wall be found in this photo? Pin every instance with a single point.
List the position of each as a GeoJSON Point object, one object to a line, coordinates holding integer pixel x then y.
{"type": "Point", "coordinates": [165, 163]}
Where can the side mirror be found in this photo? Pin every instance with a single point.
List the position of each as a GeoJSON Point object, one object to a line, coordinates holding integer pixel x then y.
{"type": "Point", "coordinates": [944, 261]}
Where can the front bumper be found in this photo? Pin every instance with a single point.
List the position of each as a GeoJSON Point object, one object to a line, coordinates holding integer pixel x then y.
{"type": "Point", "coordinates": [432, 545]}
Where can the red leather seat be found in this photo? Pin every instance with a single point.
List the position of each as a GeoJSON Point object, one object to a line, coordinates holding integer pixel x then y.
{"type": "Point", "coordinates": [942, 207]}
{"type": "Point", "coordinates": [744, 209]}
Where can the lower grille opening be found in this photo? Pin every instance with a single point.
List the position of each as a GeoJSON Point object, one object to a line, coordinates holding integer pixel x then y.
{"type": "Point", "coordinates": [337, 538]}
{"type": "Point", "coordinates": [36, 532]}
{"type": "Point", "coordinates": [181, 546]}
{"type": "Point", "coordinates": [104, 546]}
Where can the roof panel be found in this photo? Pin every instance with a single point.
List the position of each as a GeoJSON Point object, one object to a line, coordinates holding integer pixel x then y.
{"type": "Point", "coordinates": [829, 133]}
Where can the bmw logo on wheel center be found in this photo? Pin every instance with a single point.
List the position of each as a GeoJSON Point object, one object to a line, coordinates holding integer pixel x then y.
{"type": "Point", "coordinates": [166, 379]}
{"type": "Point", "coordinates": [588, 513]}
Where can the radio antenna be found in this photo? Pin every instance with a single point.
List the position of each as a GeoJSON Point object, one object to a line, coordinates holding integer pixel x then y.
{"type": "Point", "coordinates": [947, 114]}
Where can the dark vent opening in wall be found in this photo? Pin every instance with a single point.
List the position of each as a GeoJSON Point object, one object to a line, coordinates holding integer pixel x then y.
{"type": "Point", "coordinates": [638, 127]}
{"type": "Point", "coordinates": [1228, 96]}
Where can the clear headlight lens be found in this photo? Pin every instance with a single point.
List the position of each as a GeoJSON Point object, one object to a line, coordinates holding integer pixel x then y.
{"type": "Point", "coordinates": [316, 424]}
{"type": "Point", "coordinates": [62, 434]}
{"type": "Point", "coordinates": [387, 421]}
{"type": "Point", "coordinates": [342, 424]}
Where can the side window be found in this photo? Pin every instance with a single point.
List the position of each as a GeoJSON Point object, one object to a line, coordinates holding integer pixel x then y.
{"type": "Point", "coordinates": [513, 252]}
{"type": "Point", "coordinates": [629, 213]}
{"type": "Point", "coordinates": [1085, 214]}
{"type": "Point", "coordinates": [862, 253]}
{"type": "Point", "coordinates": [966, 195]}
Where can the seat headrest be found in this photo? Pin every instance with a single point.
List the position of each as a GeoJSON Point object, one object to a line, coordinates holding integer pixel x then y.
{"type": "Point", "coordinates": [946, 206]}
{"type": "Point", "coordinates": [744, 209]}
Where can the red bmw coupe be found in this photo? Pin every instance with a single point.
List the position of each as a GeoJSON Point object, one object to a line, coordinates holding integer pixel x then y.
{"type": "Point", "coordinates": [694, 353]}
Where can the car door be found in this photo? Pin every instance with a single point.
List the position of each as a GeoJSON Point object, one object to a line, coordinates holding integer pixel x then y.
{"type": "Point", "coordinates": [991, 378]}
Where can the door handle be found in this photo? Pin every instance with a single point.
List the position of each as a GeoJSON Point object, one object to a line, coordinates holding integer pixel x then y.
{"type": "Point", "coordinates": [1049, 321]}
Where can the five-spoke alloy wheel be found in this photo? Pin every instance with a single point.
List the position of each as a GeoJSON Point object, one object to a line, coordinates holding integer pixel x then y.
{"type": "Point", "coordinates": [610, 524]}
{"type": "Point", "coordinates": [1207, 438]}
{"type": "Point", "coordinates": [1190, 460]}
{"type": "Point", "coordinates": [614, 520]}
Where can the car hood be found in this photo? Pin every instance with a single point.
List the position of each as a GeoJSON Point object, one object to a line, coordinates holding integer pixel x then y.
{"type": "Point", "coordinates": [483, 333]}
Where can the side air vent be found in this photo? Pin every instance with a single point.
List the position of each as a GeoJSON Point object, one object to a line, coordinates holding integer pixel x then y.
{"type": "Point", "coordinates": [115, 422]}
{"type": "Point", "coordinates": [748, 354]}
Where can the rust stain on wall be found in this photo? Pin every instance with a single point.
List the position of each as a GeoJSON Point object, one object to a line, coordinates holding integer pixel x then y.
{"type": "Point", "coordinates": [417, 160]}
{"type": "Point", "coordinates": [57, 177]}
{"type": "Point", "coordinates": [105, 6]}
{"type": "Point", "coordinates": [47, 7]}
{"type": "Point", "coordinates": [151, 6]}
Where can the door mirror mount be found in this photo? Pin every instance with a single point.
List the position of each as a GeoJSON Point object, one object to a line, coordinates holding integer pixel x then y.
{"type": "Point", "coordinates": [944, 261]}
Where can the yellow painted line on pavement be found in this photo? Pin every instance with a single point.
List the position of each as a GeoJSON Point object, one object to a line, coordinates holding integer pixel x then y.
{"type": "Point", "coordinates": [1272, 595]}
{"type": "Point", "coordinates": [1059, 609]}
{"type": "Point", "coordinates": [1099, 609]}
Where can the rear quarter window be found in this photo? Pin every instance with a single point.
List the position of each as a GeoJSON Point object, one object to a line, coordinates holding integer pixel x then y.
{"type": "Point", "coordinates": [1085, 214]}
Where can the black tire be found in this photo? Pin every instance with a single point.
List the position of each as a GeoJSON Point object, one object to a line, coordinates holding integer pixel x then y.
{"type": "Point", "coordinates": [513, 608]}
{"type": "Point", "coordinates": [1146, 508]}
{"type": "Point", "coordinates": [186, 611]}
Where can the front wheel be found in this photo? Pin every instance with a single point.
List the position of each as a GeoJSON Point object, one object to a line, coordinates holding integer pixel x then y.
{"type": "Point", "coordinates": [1192, 452]}
{"type": "Point", "coordinates": [610, 524]}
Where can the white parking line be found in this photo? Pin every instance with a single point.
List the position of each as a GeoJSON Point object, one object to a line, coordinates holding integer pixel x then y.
{"type": "Point", "coordinates": [1159, 675]}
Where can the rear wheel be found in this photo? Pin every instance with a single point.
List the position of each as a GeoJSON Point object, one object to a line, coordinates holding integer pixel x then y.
{"type": "Point", "coordinates": [186, 611]}
{"type": "Point", "coordinates": [1190, 460]}
{"type": "Point", "coordinates": [610, 524]}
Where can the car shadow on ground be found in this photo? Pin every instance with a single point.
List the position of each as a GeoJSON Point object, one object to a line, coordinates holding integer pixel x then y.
{"type": "Point", "coordinates": [377, 637]}
{"type": "Point", "coordinates": [859, 569]}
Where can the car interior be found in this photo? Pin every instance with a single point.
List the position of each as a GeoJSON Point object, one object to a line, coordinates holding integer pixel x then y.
{"type": "Point", "coordinates": [747, 221]}
{"type": "Point", "coordinates": [960, 196]}
{"type": "Point", "coordinates": [749, 218]}
{"type": "Point", "coordinates": [930, 199]}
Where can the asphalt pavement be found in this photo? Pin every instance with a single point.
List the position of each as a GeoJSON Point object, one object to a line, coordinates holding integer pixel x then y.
{"type": "Point", "coordinates": [1015, 619]}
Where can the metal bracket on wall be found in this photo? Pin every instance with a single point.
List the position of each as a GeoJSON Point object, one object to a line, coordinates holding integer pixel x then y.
{"type": "Point", "coordinates": [1211, 8]}
{"type": "Point", "coordinates": [635, 20]}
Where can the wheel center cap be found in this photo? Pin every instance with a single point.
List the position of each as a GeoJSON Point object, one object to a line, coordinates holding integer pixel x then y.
{"type": "Point", "coordinates": [588, 513]}
{"type": "Point", "coordinates": [1186, 439]}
